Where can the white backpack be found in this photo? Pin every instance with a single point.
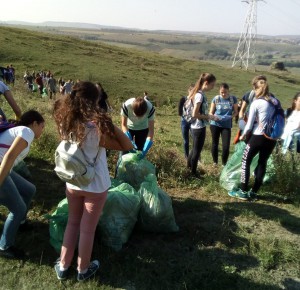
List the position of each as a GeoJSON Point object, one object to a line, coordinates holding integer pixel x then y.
{"type": "Point", "coordinates": [188, 108]}
{"type": "Point", "coordinates": [71, 165]}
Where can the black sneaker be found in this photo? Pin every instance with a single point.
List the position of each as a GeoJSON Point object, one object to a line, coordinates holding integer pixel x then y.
{"type": "Point", "coordinates": [12, 253]}
{"type": "Point", "coordinates": [61, 275]}
{"type": "Point", "coordinates": [92, 269]}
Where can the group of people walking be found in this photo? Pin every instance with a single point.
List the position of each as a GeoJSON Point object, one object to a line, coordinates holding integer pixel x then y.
{"type": "Point", "coordinates": [82, 113]}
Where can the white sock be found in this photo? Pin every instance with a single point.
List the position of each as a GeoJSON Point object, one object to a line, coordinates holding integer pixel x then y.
{"type": "Point", "coordinates": [61, 268]}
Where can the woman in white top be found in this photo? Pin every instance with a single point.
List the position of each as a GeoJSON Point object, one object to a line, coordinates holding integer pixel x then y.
{"type": "Point", "coordinates": [15, 191]}
{"type": "Point", "coordinates": [292, 128]}
{"type": "Point", "coordinates": [261, 111]}
{"type": "Point", "coordinates": [79, 113]}
{"type": "Point", "coordinates": [201, 117]}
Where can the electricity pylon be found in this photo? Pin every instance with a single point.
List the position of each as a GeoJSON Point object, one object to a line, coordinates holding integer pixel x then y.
{"type": "Point", "coordinates": [245, 50]}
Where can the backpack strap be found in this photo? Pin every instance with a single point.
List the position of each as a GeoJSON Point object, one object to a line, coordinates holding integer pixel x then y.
{"type": "Point", "coordinates": [4, 146]}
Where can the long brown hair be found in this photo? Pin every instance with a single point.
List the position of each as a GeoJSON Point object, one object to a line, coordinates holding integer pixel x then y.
{"type": "Point", "coordinates": [261, 90]}
{"type": "Point", "coordinates": [205, 77]}
{"type": "Point", "coordinates": [294, 101]}
{"type": "Point", "coordinates": [74, 111]}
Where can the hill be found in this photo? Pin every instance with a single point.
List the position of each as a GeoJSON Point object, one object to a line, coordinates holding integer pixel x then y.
{"type": "Point", "coordinates": [125, 72]}
{"type": "Point", "coordinates": [222, 243]}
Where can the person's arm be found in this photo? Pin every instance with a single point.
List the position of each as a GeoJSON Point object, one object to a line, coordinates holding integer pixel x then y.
{"type": "Point", "coordinates": [212, 108]}
{"type": "Point", "coordinates": [242, 110]}
{"type": "Point", "coordinates": [10, 156]}
{"type": "Point", "coordinates": [151, 130]}
{"type": "Point", "coordinates": [119, 141]}
{"type": "Point", "coordinates": [11, 101]}
{"type": "Point", "coordinates": [196, 114]}
{"type": "Point", "coordinates": [124, 124]}
{"type": "Point", "coordinates": [235, 110]}
{"type": "Point", "coordinates": [250, 122]}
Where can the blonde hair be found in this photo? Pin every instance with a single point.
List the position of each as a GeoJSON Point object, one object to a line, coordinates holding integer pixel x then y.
{"type": "Point", "coordinates": [261, 89]}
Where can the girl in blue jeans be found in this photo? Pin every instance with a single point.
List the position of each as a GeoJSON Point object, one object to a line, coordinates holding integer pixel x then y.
{"type": "Point", "coordinates": [15, 191]}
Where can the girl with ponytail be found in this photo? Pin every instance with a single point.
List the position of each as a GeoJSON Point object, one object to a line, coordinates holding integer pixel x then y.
{"type": "Point", "coordinates": [201, 117]}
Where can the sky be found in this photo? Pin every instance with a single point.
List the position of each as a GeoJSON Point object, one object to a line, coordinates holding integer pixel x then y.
{"type": "Point", "coordinates": [274, 17]}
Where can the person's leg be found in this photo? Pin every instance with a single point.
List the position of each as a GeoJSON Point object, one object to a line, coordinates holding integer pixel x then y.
{"type": "Point", "coordinates": [215, 136]}
{"type": "Point", "coordinates": [264, 154]}
{"type": "Point", "coordinates": [93, 205]}
{"type": "Point", "coordinates": [250, 151]}
{"type": "Point", "coordinates": [185, 129]}
{"type": "Point", "coordinates": [75, 205]}
{"type": "Point", "coordinates": [16, 194]}
{"type": "Point", "coordinates": [139, 137]}
{"type": "Point", "coordinates": [198, 142]}
{"type": "Point", "coordinates": [226, 135]}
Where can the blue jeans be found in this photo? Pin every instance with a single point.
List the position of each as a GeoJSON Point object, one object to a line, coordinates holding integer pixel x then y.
{"type": "Point", "coordinates": [185, 130]}
{"type": "Point", "coordinates": [16, 194]}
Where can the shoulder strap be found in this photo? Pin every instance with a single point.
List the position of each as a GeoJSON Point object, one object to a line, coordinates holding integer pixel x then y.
{"type": "Point", "coordinates": [4, 146]}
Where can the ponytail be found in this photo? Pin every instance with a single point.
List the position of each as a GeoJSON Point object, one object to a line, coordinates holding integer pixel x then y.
{"type": "Point", "coordinates": [205, 77]}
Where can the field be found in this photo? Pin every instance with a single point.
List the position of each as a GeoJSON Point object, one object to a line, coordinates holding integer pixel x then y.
{"type": "Point", "coordinates": [222, 243]}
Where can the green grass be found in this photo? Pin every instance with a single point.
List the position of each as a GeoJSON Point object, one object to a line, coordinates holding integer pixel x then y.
{"type": "Point", "coordinates": [222, 243]}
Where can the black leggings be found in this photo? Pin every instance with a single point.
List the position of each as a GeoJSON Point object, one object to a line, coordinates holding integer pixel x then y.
{"type": "Point", "coordinates": [198, 142]}
{"type": "Point", "coordinates": [139, 137]}
{"type": "Point", "coordinates": [264, 147]}
{"type": "Point", "coordinates": [225, 133]}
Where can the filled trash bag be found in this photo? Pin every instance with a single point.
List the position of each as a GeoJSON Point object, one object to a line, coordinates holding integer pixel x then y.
{"type": "Point", "coordinates": [156, 212]}
{"type": "Point", "coordinates": [133, 169]}
{"type": "Point", "coordinates": [34, 87]}
{"type": "Point", "coordinates": [119, 216]}
{"type": "Point", "coordinates": [57, 224]}
{"type": "Point", "coordinates": [230, 177]}
{"type": "Point", "coordinates": [22, 169]}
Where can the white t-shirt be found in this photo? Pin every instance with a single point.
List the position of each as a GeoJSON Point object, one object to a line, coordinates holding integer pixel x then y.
{"type": "Point", "coordinates": [200, 98]}
{"type": "Point", "coordinates": [90, 148]}
{"type": "Point", "coordinates": [292, 125]}
{"type": "Point", "coordinates": [8, 136]}
{"type": "Point", "coordinates": [134, 122]}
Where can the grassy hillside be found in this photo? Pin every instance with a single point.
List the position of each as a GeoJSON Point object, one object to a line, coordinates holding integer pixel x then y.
{"type": "Point", "coordinates": [222, 243]}
{"type": "Point", "coordinates": [125, 72]}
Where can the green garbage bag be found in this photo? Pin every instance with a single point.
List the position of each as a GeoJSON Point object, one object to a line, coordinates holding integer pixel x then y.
{"type": "Point", "coordinates": [119, 216]}
{"type": "Point", "coordinates": [231, 174]}
{"type": "Point", "coordinates": [22, 169]}
{"type": "Point", "coordinates": [34, 87]}
{"type": "Point", "coordinates": [57, 224]}
{"type": "Point", "coordinates": [44, 93]}
{"type": "Point", "coordinates": [133, 169]}
{"type": "Point", "coordinates": [156, 213]}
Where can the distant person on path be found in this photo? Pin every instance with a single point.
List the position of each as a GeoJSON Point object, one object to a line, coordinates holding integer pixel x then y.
{"type": "Point", "coordinates": [11, 101]}
{"type": "Point", "coordinates": [184, 124]}
{"type": "Point", "coordinates": [39, 82]}
{"type": "Point", "coordinates": [261, 111]}
{"type": "Point", "coordinates": [197, 96]}
{"type": "Point", "coordinates": [51, 83]}
{"type": "Point", "coordinates": [79, 113]}
{"type": "Point", "coordinates": [225, 107]}
{"type": "Point", "coordinates": [15, 191]}
{"type": "Point", "coordinates": [68, 87]}
{"type": "Point", "coordinates": [103, 98]}
{"type": "Point", "coordinates": [137, 119]}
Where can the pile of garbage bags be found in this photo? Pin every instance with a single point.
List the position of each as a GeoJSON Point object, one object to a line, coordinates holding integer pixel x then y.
{"type": "Point", "coordinates": [134, 200]}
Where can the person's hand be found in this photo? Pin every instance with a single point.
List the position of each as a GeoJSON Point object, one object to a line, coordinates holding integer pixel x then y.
{"type": "Point", "coordinates": [242, 137]}
{"type": "Point", "coordinates": [148, 144]}
{"type": "Point", "coordinates": [213, 118]}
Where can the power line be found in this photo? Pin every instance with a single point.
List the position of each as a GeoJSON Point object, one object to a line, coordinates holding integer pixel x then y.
{"type": "Point", "coordinates": [245, 50]}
